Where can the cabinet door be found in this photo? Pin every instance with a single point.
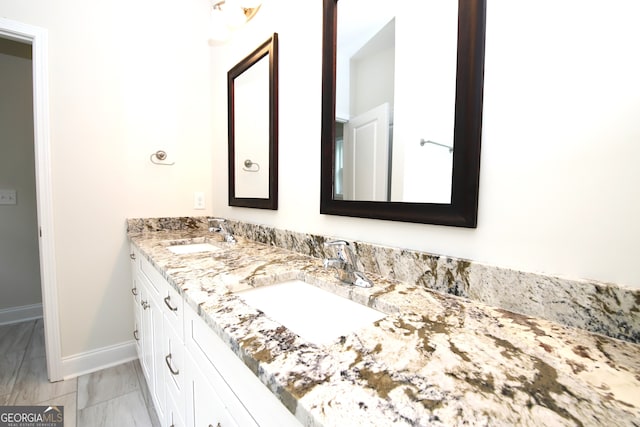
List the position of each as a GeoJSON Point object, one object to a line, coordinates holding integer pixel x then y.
{"type": "Point", "coordinates": [174, 413]}
{"type": "Point", "coordinates": [204, 406]}
{"type": "Point", "coordinates": [137, 307]}
{"type": "Point", "coordinates": [158, 388]}
{"type": "Point", "coordinates": [174, 365]}
{"type": "Point", "coordinates": [146, 334]}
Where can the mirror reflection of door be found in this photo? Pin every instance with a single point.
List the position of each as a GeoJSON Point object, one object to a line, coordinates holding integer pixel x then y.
{"type": "Point", "coordinates": [366, 161]}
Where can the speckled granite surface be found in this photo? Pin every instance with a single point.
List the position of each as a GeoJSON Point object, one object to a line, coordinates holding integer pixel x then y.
{"type": "Point", "coordinates": [597, 307]}
{"type": "Point", "coordinates": [435, 359]}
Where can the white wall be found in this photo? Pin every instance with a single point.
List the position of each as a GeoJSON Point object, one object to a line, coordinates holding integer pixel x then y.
{"type": "Point", "coordinates": [560, 144]}
{"type": "Point", "coordinates": [19, 259]}
{"type": "Point", "coordinates": [559, 174]}
{"type": "Point", "coordinates": [125, 79]}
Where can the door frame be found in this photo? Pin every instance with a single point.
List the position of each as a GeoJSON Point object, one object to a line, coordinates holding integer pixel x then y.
{"type": "Point", "coordinates": [38, 39]}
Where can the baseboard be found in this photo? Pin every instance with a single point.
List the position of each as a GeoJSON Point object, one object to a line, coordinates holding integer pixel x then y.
{"type": "Point", "coordinates": [20, 314]}
{"type": "Point", "coordinates": [96, 360]}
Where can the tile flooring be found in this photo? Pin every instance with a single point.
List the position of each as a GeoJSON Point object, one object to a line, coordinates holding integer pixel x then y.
{"type": "Point", "coordinates": [116, 396]}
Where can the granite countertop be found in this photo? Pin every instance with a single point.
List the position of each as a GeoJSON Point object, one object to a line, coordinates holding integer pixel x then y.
{"type": "Point", "coordinates": [435, 359]}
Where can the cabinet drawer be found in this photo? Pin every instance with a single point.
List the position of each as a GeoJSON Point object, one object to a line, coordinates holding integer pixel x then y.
{"type": "Point", "coordinates": [172, 307]}
{"type": "Point", "coordinates": [173, 362]}
{"type": "Point", "coordinates": [170, 301]}
{"type": "Point", "coordinates": [152, 275]}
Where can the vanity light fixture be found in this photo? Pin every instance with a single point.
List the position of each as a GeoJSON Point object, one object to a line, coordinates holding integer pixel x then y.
{"type": "Point", "coordinates": [229, 15]}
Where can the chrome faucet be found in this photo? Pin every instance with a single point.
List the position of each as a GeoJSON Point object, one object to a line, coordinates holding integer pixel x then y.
{"type": "Point", "coordinates": [345, 265]}
{"type": "Point", "coordinates": [215, 226]}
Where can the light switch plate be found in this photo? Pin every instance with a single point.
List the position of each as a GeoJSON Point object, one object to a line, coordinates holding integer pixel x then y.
{"type": "Point", "coordinates": [8, 197]}
{"type": "Point", "coordinates": [198, 200]}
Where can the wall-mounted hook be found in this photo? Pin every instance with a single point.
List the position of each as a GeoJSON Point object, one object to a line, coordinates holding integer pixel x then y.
{"type": "Point", "coordinates": [159, 158]}
{"type": "Point", "coordinates": [249, 166]}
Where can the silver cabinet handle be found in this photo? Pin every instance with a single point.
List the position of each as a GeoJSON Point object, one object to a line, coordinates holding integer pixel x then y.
{"type": "Point", "coordinates": [145, 304]}
{"type": "Point", "coordinates": [132, 255]}
{"type": "Point", "coordinates": [135, 335]}
{"type": "Point", "coordinates": [168, 360]}
{"type": "Point", "coordinates": [134, 291]}
{"type": "Point", "coordinates": [166, 301]}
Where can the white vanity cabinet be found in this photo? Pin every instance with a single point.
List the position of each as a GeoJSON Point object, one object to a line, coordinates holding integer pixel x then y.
{"type": "Point", "coordinates": [246, 400]}
{"type": "Point", "coordinates": [160, 339]}
{"type": "Point", "coordinates": [150, 331]}
{"type": "Point", "coordinates": [195, 380]}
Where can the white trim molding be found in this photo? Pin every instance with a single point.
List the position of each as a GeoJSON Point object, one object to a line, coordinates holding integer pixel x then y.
{"type": "Point", "coordinates": [96, 360]}
{"type": "Point", "coordinates": [38, 39]}
{"type": "Point", "coordinates": [20, 314]}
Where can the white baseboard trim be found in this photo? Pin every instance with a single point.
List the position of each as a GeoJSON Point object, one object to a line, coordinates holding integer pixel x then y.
{"type": "Point", "coordinates": [96, 360]}
{"type": "Point", "coordinates": [20, 314]}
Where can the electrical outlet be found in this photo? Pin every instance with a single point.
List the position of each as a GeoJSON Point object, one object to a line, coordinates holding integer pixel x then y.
{"type": "Point", "coordinates": [198, 200]}
{"type": "Point", "coordinates": [8, 197]}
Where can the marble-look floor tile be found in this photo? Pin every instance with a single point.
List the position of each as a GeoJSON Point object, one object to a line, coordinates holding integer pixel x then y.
{"type": "Point", "coordinates": [68, 401]}
{"type": "Point", "coordinates": [4, 399]}
{"type": "Point", "coordinates": [9, 366]}
{"type": "Point", "coordinates": [146, 394]}
{"type": "Point", "coordinates": [36, 347]}
{"type": "Point", "coordinates": [15, 337]}
{"type": "Point", "coordinates": [144, 389]}
{"type": "Point", "coordinates": [104, 385]}
{"type": "Point", "coordinates": [123, 411]}
{"type": "Point", "coordinates": [32, 384]}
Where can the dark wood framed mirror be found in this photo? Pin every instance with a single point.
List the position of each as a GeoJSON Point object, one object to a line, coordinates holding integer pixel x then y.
{"type": "Point", "coordinates": [460, 206]}
{"type": "Point", "coordinates": [252, 87]}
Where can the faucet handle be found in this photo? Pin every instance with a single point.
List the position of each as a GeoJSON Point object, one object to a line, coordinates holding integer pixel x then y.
{"type": "Point", "coordinates": [344, 251]}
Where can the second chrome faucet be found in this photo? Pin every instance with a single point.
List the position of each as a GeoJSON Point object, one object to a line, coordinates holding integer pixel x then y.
{"type": "Point", "coordinates": [345, 264]}
{"type": "Point", "coordinates": [215, 226]}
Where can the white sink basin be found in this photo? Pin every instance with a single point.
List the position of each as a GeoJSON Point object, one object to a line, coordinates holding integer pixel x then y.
{"type": "Point", "coordinates": [316, 315]}
{"type": "Point", "coordinates": [193, 248]}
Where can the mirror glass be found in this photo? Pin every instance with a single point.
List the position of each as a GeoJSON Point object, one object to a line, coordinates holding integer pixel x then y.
{"type": "Point", "coordinates": [380, 77]}
{"type": "Point", "coordinates": [402, 107]}
{"type": "Point", "coordinates": [253, 132]}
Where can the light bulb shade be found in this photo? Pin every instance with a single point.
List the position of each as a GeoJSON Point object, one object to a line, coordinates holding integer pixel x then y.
{"type": "Point", "coordinates": [229, 15]}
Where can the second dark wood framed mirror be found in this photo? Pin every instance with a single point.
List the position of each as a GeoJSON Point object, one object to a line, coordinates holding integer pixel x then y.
{"type": "Point", "coordinates": [424, 47]}
{"type": "Point", "coordinates": [253, 128]}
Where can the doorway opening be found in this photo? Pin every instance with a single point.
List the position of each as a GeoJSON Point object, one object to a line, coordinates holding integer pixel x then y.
{"type": "Point", "coordinates": [36, 37]}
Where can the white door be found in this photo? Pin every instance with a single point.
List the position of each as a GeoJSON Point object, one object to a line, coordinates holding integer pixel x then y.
{"type": "Point", "coordinates": [366, 155]}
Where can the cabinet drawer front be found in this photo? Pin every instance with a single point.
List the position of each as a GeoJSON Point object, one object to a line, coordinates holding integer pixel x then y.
{"type": "Point", "coordinates": [152, 275]}
{"type": "Point", "coordinates": [169, 300]}
{"type": "Point", "coordinates": [172, 307]}
{"type": "Point", "coordinates": [173, 362]}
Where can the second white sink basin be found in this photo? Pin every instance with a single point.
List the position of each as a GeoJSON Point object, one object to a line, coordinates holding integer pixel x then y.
{"type": "Point", "coordinates": [193, 248]}
{"type": "Point", "coordinates": [316, 315]}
